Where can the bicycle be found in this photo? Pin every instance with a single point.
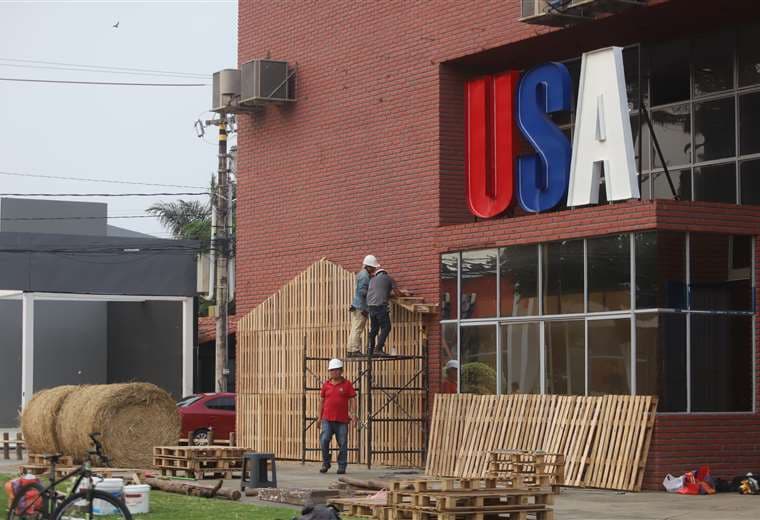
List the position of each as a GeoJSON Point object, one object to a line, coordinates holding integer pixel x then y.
{"type": "Point", "coordinates": [48, 504]}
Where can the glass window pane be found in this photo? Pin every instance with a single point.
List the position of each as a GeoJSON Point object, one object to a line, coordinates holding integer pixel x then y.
{"type": "Point", "coordinates": [714, 129]}
{"type": "Point", "coordinates": [520, 358]}
{"type": "Point", "coordinates": [660, 188]}
{"type": "Point", "coordinates": [609, 273]}
{"type": "Point", "coordinates": [449, 359]}
{"type": "Point", "coordinates": [661, 359]}
{"type": "Point", "coordinates": [631, 70]}
{"type": "Point", "coordinates": [715, 183]}
{"type": "Point", "coordinates": [519, 281]}
{"type": "Point", "coordinates": [660, 270]}
{"type": "Point", "coordinates": [449, 300]}
{"type": "Point", "coordinates": [714, 284]}
{"type": "Point", "coordinates": [721, 363]}
{"type": "Point", "coordinates": [672, 128]}
{"type": "Point", "coordinates": [749, 55]}
{"type": "Point", "coordinates": [609, 357]}
{"type": "Point", "coordinates": [479, 284]}
{"type": "Point", "coordinates": [565, 357]}
{"type": "Point", "coordinates": [563, 277]}
{"type": "Point", "coordinates": [713, 59]}
{"type": "Point", "coordinates": [644, 146]}
{"type": "Point", "coordinates": [749, 123]}
{"type": "Point", "coordinates": [669, 72]}
{"type": "Point", "coordinates": [750, 182]}
{"type": "Point", "coordinates": [478, 359]}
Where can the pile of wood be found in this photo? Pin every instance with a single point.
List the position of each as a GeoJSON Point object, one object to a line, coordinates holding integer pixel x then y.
{"type": "Point", "coordinates": [17, 445]}
{"type": "Point", "coordinates": [454, 499]}
{"type": "Point", "coordinates": [199, 462]}
{"type": "Point", "coordinates": [604, 440]}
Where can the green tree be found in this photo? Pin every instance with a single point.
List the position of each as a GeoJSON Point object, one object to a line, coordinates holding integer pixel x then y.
{"type": "Point", "coordinates": [185, 219]}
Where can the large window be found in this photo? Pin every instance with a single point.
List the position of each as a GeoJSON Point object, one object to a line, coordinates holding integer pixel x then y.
{"type": "Point", "coordinates": [657, 312]}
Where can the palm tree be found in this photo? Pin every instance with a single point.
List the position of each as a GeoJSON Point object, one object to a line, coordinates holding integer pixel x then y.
{"type": "Point", "coordinates": [185, 219]}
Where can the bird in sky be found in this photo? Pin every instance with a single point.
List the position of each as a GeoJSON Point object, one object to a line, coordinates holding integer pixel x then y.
{"type": "Point", "coordinates": [116, 25]}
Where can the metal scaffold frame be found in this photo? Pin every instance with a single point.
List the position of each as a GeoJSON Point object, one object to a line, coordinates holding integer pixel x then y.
{"type": "Point", "coordinates": [364, 383]}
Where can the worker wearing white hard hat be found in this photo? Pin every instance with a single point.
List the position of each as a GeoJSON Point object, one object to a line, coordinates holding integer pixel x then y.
{"type": "Point", "coordinates": [451, 377]}
{"type": "Point", "coordinates": [359, 311]}
{"type": "Point", "coordinates": [336, 410]}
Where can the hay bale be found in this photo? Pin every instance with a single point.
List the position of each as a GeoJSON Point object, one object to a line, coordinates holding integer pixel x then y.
{"type": "Point", "coordinates": [132, 418]}
{"type": "Point", "coordinates": [38, 421]}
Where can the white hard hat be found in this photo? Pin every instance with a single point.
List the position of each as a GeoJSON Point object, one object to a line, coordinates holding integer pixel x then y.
{"type": "Point", "coordinates": [335, 363]}
{"type": "Point", "coordinates": [371, 261]}
{"type": "Point", "coordinates": [452, 363]}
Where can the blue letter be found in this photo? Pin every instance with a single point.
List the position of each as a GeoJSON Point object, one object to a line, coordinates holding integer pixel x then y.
{"type": "Point", "coordinates": [543, 177]}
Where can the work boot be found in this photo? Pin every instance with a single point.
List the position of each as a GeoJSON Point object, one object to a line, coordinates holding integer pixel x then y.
{"type": "Point", "coordinates": [341, 470]}
{"type": "Point", "coordinates": [324, 468]}
{"type": "Point", "coordinates": [380, 353]}
{"type": "Point", "coordinates": [354, 353]}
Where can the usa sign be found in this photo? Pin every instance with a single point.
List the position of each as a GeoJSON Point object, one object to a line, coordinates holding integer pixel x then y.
{"type": "Point", "coordinates": [499, 106]}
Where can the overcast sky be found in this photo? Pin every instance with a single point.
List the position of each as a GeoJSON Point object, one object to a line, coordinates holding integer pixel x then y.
{"type": "Point", "coordinates": [131, 133]}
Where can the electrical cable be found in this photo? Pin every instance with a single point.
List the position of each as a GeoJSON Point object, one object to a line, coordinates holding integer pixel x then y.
{"type": "Point", "coordinates": [105, 71]}
{"type": "Point", "coordinates": [107, 181]}
{"type": "Point", "coordinates": [25, 219]}
{"type": "Point", "coordinates": [163, 194]}
{"type": "Point", "coordinates": [133, 69]}
{"type": "Point", "coordinates": [111, 83]}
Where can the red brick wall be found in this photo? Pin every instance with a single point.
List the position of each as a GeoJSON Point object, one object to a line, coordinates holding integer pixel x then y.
{"type": "Point", "coordinates": [370, 157]}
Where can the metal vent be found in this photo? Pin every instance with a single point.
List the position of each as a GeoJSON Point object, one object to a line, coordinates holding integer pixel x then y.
{"type": "Point", "coordinates": [266, 81]}
{"type": "Point", "coordinates": [566, 12]}
{"type": "Point", "coordinates": [225, 89]}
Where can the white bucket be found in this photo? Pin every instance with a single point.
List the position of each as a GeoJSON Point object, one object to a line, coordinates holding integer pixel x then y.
{"type": "Point", "coordinates": [137, 498]}
{"type": "Point", "coordinates": [112, 486]}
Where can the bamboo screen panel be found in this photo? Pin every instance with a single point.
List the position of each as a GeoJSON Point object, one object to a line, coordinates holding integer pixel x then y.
{"type": "Point", "coordinates": [311, 311]}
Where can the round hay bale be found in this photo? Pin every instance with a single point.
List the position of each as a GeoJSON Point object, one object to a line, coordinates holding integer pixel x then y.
{"type": "Point", "coordinates": [39, 418]}
{"type": "Point", "coordinates": [132, 418]}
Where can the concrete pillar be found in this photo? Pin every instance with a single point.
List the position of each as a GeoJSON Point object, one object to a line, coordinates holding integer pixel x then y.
{"type": "Point", "coordinates": [188, 359]}
{"type": "Point", "coordinates": [27, 348]}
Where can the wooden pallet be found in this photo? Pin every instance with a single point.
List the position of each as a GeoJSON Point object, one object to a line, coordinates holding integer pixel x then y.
{"type": "Point", "coordinates": [200, 452]}
{"type": "Point", "coordinates": [16, 444]}
{"type": "Point", "coordinates": [604, 439]}
{"type": "Point", "coordinates": [38, 459]}
{"type": "Point", "coordinates": [61, 471]}
{"type": "Point", "coordinates": [200, 474]}
{"type": "Point", "coordinates": [452, 499]}
{"type": "Point", "coordinates": [197, 464]}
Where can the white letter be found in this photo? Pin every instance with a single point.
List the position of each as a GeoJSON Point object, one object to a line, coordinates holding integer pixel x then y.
{"type": "Point", "coordinates": [602, 135]}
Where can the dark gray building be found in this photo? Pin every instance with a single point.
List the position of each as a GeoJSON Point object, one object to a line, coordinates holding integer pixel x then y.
{"type": "Point", "coordinates": [82, 302]}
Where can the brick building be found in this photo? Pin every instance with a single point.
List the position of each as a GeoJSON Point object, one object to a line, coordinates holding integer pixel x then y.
{"type": "Point", "coordinates": [644, 296]}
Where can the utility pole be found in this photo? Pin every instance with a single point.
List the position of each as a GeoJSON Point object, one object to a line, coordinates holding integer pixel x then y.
{"type": "Point", "coordinates": [221, 244]}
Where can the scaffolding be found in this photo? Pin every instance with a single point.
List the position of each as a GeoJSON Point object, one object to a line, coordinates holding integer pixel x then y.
{"type": "Point", "coordinates": [373, 414]}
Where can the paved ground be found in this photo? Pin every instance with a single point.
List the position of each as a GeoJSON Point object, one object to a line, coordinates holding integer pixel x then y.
{"type": "Point", "coordinates": [572, 504]}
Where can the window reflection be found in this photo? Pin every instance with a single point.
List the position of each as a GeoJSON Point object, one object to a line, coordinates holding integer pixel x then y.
{"type": "Point", "coordinates": [660, 270]}
{"type": "Point", "coordinates": [478, 364]}
{"type": "Point", "coordinates": [672, 128]}
{"type": "Point", "coordinates": [748, 55]}
{"type": "Point", "coordinates": [609, 357]}
{"type": "Point", "coordinates": [661, 359]}
{"type": "Point", "coordinates": [715, 183]}
{"type": "Point", "coordinates": [449, 358]}
{"type": "Point", "coordinates": [519, 281]}
{"type": "Point", "coordinates": [669, 72]}
{"type": "Point", "coordinates": [750, 181]}
{"type": "Point", "coordinates": [656, 186]}
{"type": "Point", "coordinates": [520, 358]}
{"type": "Point", "coordinates": [565, 357]}
{"type": "Point", "coordinates": [449, 273]}
{"type": "Point", "coordinates": [563, 277]}
{"type": "Point", "coordinates": [714, 129]}
{"type": "Point", "coordinates": [749, 123]}
{"type": "Point", "coordinates": [713, 59]}
{"type": "Point", "coordinates": [714, 284]}
{"type": "Point", "coordinates": [478, 284]}
{"type": "Point", "coordinates": [609, 273]}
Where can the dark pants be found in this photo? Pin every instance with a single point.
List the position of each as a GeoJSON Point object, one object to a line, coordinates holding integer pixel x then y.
{"type": "Point", "coordinates": [340, 430]}
{"type": "Point", "coordinates": [380, 323]}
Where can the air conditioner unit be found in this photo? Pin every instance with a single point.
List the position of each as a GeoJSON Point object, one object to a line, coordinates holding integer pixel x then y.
{"type": "Point", "coordinates": [565, 12]}
{"type": "Point", "coordinates": [225, 90]}
{"type": "Point", "coordinates": [266, 81]}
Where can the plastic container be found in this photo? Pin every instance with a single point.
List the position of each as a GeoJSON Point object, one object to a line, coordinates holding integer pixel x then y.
{"type": "Point", "coordinates": [112, 486]}
{"type": "Point", "coordinates": [137, 498]}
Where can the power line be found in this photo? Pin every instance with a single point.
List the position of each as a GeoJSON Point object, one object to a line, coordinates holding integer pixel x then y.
{"type": "Point", "coordinates": [103, 68]}
{"type": "Point", "coordinates": [108, 181]}
{"type": "Point", "coordinates": [112, 83]}
{"type": "Point", "coordinates": [19, 219]}
{"type": "Point", "coordinates": [98, 71]}
{"type": "Point", "coordinates": [103, 194]}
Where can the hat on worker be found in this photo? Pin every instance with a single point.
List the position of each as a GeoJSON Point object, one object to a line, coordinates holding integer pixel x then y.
{"type": "Point", "coordinates": [452, 363]}
{"type": "Point", "coordinates": [371, 261]}
{"type": "Point", "coordinates": [335, 363]}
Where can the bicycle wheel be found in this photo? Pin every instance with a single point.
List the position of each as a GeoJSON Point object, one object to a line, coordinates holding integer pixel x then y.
{"type": "Point", "coordinates": [85, 505]}
{"type": "Point", "coordinates": [35, 508]}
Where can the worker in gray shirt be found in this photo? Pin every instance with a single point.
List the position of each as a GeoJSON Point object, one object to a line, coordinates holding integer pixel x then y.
{"type": "Point", "coordinates": [358, 309]}
{"type": "Point", "coordinates": [381, 288]}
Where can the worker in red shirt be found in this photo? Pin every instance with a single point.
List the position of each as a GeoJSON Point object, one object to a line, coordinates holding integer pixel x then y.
{"type": "Point", "coordinates": [336, 411]}
{"type": "Point", "coordinates": [450, 384]}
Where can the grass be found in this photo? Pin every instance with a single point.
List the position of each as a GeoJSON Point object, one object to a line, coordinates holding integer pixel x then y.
{"type": "Point", "coordinates": [168, 506]}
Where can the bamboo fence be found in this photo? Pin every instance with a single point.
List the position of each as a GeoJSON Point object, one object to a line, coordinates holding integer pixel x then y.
{"type": "Point", "coordinates": [605, 439]}
{"type": "Point", "coordinates": [312, 312]}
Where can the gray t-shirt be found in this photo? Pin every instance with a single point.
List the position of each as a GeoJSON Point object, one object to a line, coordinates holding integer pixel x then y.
{"type": "Point", "coordinates": [380, 287]}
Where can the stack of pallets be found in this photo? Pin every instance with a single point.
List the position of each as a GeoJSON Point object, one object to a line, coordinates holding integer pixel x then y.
{"type": "Point", "coordinates": [519, 483]}
{"type": "Point", "coordinates": [199, 462]}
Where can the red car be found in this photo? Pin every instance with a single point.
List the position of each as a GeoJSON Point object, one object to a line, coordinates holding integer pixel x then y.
{"type": "Point", "coordinates": [203, 413]}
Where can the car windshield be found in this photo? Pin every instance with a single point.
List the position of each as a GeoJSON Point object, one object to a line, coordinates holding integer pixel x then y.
{"type": "Point", "coordinates": [187, 401]}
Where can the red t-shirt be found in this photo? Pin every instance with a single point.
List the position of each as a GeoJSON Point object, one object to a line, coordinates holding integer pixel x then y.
{"type": "Point", "coordinates": [449, 387]}
{"type": "Point", "coordinates": [336, 400]}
